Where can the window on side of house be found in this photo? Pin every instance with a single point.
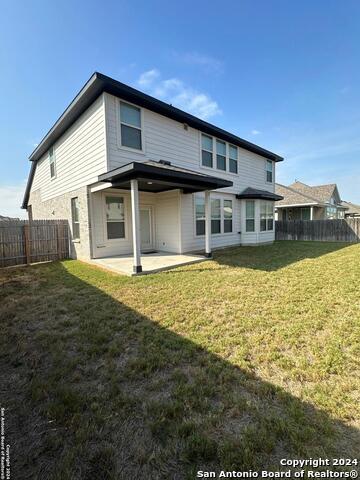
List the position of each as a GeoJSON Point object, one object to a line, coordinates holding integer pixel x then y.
{"type": "Point", "coordinates": [330, 212]}
{"type": "Point", "coordinates": [200, 215]}
{"type": "Point", "coordinates": [75, 218]}
{"type": "Point", "coordinates": [250, 216]}
{"type": "Point", "coordinates": [115, 217]}
{"type": "Point", "coordinates": [215, 215]}
{"type": "Point", "coordinates": [305, 213]}
{"type": "Point", "coordinates": [228, 216]}
{"type": "Point", "coordinates": [233, 159]}
{"type": "Point", "coordinates": [130, 125]}
{"type": "Point", "coordinates": [269, 171]}
{"type": "Point", "coordinates": [52, 162]}
{"type": "Point", "coordinates": [220, 155]}
{"type": "Point", "coordinates": [266, 216]}
{"type": "Point", "coordinates": [206, 151]}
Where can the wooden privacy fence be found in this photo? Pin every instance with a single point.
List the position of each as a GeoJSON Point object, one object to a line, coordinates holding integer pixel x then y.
{"type": "Point", "coordinates": [342, 230]}
{"type": "Point", "coordinates": [23, 242]}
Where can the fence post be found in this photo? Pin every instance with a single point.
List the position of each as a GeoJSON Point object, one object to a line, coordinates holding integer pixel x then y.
{"type": "Point", "coordinates": [27, 244]}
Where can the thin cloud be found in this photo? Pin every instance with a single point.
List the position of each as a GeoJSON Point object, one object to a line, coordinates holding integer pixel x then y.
{"type": "Point", "coordinates": [207, 62]}
{"type": "Point", "coordinates": [146, 79]}
{"type": "Point", "coordinates": [11, 197]}
{"type": "Point", "coordinates": [177, 93]}
{"type": "Point", "coordinates": [255, 132]}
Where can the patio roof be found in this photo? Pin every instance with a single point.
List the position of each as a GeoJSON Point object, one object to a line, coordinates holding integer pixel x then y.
{"type": "Point", "coordinates": [162, 176]}
{"type": "Point", "coordinates": [253, 193]}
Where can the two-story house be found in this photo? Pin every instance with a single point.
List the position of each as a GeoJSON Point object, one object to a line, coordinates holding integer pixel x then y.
{"type": "Point", "coordinates": [134, 174]}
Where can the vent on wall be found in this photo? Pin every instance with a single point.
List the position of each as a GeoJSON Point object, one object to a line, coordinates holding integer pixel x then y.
{"type": "Point", "coordinates": [164, 162]}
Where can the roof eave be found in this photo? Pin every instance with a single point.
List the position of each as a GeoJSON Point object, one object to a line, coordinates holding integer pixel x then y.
{"type": "Point", "coordinates": [99, 83]}
{"type": "Point", "coordinates": [139, 170]}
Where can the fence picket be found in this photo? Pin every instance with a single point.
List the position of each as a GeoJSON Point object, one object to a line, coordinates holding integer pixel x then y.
{"type": "Point", "coordinates": [24, 242]}
{"type": "Point", "coordinates": [340, 230]}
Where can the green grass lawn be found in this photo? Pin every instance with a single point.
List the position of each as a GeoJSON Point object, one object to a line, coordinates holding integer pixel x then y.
{"type": "Point", "coordinates": [233, 363]}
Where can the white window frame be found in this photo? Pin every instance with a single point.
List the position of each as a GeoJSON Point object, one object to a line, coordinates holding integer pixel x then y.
{"type": "Point", "coordinates": [195, 196]}
{"type": "Point", "coordinates": [214, 154]}
{"type": "Point", "coordinates": [214, 197]}
{"type": "Point", "coordinates": [52, 161]}
{"type": "Point", "coordinates": [75, 239]}
{"type": "Point", "coordinates": [126, 218]}
{"type": "Point", "coordinates": [235, 160]}
{"type": "Point", "coordinates": [225, 156]}
{"type": "Point", "coordinates": [268, 215]}
{"type": "Point", "coordinates": [118, 127]}
{"type": "Point", "coordinates": [232, 215]}
{"type": "Point", "coordinates": [250, 218]}
{"type": "Point", "coordinates": [269, 162]}
{"type": "Point", "coordinates": [205, 150]}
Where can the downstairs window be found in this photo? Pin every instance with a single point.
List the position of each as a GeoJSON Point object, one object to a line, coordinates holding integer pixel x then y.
{"type": "Point", "coordinates": [266, 216]}
{"type": "Point", "coordinates": [115, 218]}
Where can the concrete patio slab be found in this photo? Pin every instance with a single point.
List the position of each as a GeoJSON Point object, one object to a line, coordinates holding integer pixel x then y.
{"type": "Point", "coordinates": [151, 262]}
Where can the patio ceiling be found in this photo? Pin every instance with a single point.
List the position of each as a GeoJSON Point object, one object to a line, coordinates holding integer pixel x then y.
{"type": "Point", "coordinates": [162, 176]}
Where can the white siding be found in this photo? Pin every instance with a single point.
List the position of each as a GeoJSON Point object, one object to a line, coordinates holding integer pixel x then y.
{"type": "Point", "coordinates": [167, 222]}
{"type": "Point", "coordinates": [192, 242]}
{"type": "Point", "coordinates": [166, 139]}
{"type": "Point", "coordinates": [80, 155]}
{"type": "Point", "coordinates": [166, 226]}
{"type": "Point", "coordinates": [91, 147]}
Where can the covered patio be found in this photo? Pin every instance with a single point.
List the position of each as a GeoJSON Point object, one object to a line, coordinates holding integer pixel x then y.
{"type": "Point", "coordinates": [153, 177]}
{"type": "Point", "coordinates": [150, 262]}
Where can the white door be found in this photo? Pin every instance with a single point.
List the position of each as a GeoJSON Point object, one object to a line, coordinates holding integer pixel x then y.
{"type": "Point", "coordinates": [146, 228]}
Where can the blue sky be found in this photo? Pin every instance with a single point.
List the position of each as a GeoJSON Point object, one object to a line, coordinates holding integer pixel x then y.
{"type": "Point", "coordinates": [282, 74]}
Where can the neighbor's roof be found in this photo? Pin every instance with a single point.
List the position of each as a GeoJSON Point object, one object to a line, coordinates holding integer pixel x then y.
{"type": "Point", "coordinates": [352, 208]}
{"type": "Point", "coordinates": [256, 193]}
{"type": "Point", "coordinates": [298, 193]}
{"type": "Point", "coordinates": [99, 83]}
{"type": "Point", "coordinates": [323, 193]}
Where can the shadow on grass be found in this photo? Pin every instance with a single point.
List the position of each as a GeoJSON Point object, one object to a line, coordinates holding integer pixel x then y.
{"type": "Point", "coordinates": [95, 390]}
{"type": "Point", "coordinates": [278, 255]}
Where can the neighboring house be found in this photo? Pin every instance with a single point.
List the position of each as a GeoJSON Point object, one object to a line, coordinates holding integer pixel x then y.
{"type": "Point", "coordinates": [134, 174]}
{"type": "Point", "coordinates": [305, 202]}
{"type": "Point", "coordinates": [352, 210]}
{"type": "Point", "coordinates": [7, 219]}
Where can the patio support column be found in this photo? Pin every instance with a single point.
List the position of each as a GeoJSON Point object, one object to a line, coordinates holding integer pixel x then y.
{"type": "Point", "coordinates": [207, 224]}
{"type": "Point", "coordinates": [135, 213]}
{"type": "Point", "coordinates": [311, 213]}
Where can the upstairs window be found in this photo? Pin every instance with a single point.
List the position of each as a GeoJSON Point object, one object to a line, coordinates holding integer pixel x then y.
{"type": "Point", "coordinates": [228, 216]}
{"type": "Point", "coordinates": [52, 162]}
{"type": "Point", "coordinates": [206, 151]}
{"type": "Point", "coordinates": [75, 218]}
{"type": "Point", "coordinates": [269, 171]}
{"type": "Point", "coordinates": [215, 215]}
{"type": "Point", "coordinates": [233, 159]}
{"type": "Point", "coordinates": [130, 125]}
{"type": "Point", "coordinates": [115, 217]}
{"type": "Point", "coordinates": [266, 216]}
{"type": "Point", "coordinates": [250, 216]}
{"type": "Point", "coordinates": [220, 155]}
